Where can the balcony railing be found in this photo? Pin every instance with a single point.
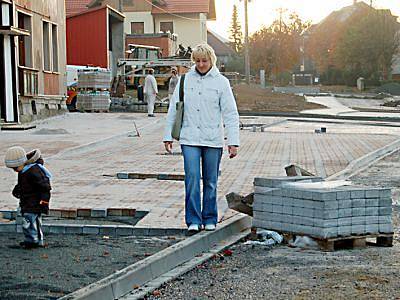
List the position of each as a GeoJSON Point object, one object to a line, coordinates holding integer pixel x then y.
{"type": "Point", "coordinates": [28, 82]}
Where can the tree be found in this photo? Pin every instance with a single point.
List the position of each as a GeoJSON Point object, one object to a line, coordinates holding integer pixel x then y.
{"type": "Point", "coordinates": [276, 49]}
{"type": "Point", "coordinates": [236, 35]}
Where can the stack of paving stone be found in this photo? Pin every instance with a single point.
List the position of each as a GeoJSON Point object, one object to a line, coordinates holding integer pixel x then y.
{"type": "Point", "coordinates": [94, 100]}
{"type": "Point", "coordinates": [94, 79]}
{"type": "Point", "coordinates": [343, 211]}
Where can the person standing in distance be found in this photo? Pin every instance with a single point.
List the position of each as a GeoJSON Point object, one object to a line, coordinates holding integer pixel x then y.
{"type": "Point", "coordinates": [208, 104]}
{"type": "Point", "coordinates": [150, 92]}
{"type": "Point", "coordinates": [172, 82]}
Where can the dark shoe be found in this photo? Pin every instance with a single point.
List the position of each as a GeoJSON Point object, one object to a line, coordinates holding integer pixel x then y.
{"type": "Point", "coordinates": [151, 115]}
{"type": "Point", "coordinates": [27, 245]}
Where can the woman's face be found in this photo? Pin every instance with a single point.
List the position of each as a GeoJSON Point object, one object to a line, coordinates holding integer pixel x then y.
{"type": "Point", "coordinates": [203, 64]}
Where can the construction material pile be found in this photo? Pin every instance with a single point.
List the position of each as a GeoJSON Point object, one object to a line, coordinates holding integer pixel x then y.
{"type": "Point", "coordinates": [287, 204]}
{"type": "Point", "coordinates": [94, 79]}
{"type": "Point", "coordinates": [94, 92]}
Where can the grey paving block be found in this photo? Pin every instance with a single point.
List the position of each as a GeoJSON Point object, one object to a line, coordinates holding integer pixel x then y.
{"type": "Point", "coordinates": [385, 219]}
{"type": "Point", "coordinates": [19, 228]}
{"type": "Point", "coordinates": [278, 200]}
{"type": "Point", "coordinates": [326, 214]}
{"type": "Point", "coordinates": [303, 212]}
{"type": "Point", "coordinates": [90, 229]}
{"type": "Point", "coordinates": [385, 193]}
{"type": "Point", "coordinates": [277, 209]}
{"type": "Point", "coordinates": [386, 228]}
{"type": "Point", "coordinates": [296, 202]}
{"type": "Point", "coordinates": [343, 195]}
{"type": "Point", "coordinates": [304, 229]}
{"type": "Point", "coordinates": [306, 194]}
{"type": "Point", "coordinates": [344, 231]}
{"type": "Point", "coordinates": [372, 219]}
{"type": "Point", "coordinates": [8, 214]}
{"type": "Point", "coordinates": [8, 228]}
{"type": "Point", "coordinates": [59, 229]}
{"type": "Point", "coordinates": [267, 207]}
{"type": "Point", "coordinates": [357, 229]}
{"type": "Point", "coordinates": [311, 204]}
{"type": "Point", "coordinates": [372, 228]}
{"type": "Point", "coordinates": [257, 205]}
{"type": "Point", "coordinates": [141, 231]}
{"type": "Point", "coordinates": [262, 198]}
{"type": "Point", "coordinates": [385, 202]}
{"type": "Point", "coordinates": [157, 232]}
{"type": "Point", "coordinates": [325, 223]}
{"type": "Point", "coordinates": [358, 212]}
{"type": "Point", "coordinates": [276, 182]}
{"type": "Point", "coordinates": [287, 210]}
{"type": "Point", "coordinates": [324, 195]}
{"type": "Point", "coordinates": [372, 202]}
{"type": "Point", "coordinates": [329, 232]}
{"type": "Point", "coordinates": [107, 230]}
{"type": "Point", "coordinates": [331, 205]}
{"type": "Point", "coordinates": [98, 213]}
{"type": "Point", "coordinates": [385, 211]}
{"type": "Point", "coordinates": [344, 203]}
{"type": "Point", "coordinates": [357, 194]}
{"type": "Point", "coordinates": [344, 221]}
{"type": "Point", "coordinates": [277, 226]}
{"type": "Point", "coordinates": [302, 221]}
{"type": "Point", "coordinates": [358, 203]}
{"type": "Point", "coordinates": [277, 192]}
{"type": "Point", "coordinates": [263, 190]}
{"type": "Point", "coordinates": [371, 211]}
{"type": "Point", "coordinates": [345, 213]}
{"type": "Point", "coordinates": [358, 220]}
{"type": "Point", "coordinates": [73, 229]}
{"type": "Point", "coordinates": [372, 193]}
{"type": "Point", "coordinates": [122, 230]}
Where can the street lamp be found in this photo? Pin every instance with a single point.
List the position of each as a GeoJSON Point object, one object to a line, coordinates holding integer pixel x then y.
{"type": "Point", "coordinates": [246, 42]}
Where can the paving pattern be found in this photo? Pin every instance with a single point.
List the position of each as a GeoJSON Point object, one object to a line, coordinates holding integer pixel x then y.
{"type": "Point", "coordinates": [80, 148]}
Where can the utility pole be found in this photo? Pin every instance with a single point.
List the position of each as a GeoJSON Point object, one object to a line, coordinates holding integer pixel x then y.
{"type": "Point", "coordinates": [246, 43]}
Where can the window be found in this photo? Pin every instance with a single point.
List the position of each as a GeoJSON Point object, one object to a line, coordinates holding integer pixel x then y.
{"type": "Point", "coordinates": [167, 27]}
{"type": "Point", "coordinates": [137, 27]}
{"type": "Point", "coordinates": [25, 42]}
{"type": "Point", "coordinates": [46, 46]}
{"type": "Point", "coordinates": [50, 47]}
{"type": "Point", "coordinates": [54, 40]}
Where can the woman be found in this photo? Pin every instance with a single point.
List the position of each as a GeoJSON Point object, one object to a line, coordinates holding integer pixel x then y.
{"type": "Point", "coordinates": [208, 101]}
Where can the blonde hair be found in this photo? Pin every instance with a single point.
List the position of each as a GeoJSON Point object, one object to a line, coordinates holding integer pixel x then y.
{"type": "Point", "coordinates": [204, 50]}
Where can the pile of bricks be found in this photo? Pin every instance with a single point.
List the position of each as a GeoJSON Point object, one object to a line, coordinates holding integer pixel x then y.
{"type": "Point", "coordinates": [94, 100]}
{"type": "Point", "coordinates": [321, 212]}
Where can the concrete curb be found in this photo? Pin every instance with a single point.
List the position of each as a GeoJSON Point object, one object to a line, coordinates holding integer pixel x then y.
{"type": "Point", "coordinates": [150, 286]}
{"type": "Point", "coordinates": [319, 116]}
{"type": "Point", "coordinates": [112, 230]}
{"type": "Point", "coordinates": [366, 160]}
{"type": "Point", "coordinates": [122, 282]}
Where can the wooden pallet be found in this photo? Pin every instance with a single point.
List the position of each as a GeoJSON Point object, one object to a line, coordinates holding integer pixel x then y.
{"type": "Point", "coordinates": [354, 242]}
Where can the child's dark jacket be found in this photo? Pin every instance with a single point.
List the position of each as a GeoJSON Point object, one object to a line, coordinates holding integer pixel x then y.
{"type": "Point", "coordinates": [33, 190]}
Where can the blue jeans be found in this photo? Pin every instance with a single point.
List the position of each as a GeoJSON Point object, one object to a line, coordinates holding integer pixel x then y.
{"type": "Point", "coordinates": [32, 228]}
{"type": "Point", "coordinates": [210, 158]}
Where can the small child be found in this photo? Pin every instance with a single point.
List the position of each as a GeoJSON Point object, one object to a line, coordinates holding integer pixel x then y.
{"type": "Point", "coordinates": [33, 190]}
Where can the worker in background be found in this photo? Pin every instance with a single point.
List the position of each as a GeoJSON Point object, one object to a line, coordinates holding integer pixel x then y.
{"type": "Point", "coordinates": [172, 82]}
{"type": "Point", "coordinates": [150, 92]}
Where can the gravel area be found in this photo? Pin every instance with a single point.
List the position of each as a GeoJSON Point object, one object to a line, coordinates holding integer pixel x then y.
{"type": "Point", "coordinates": [280, 272]}
{"type": "Point", "coordinates": [68, 263]}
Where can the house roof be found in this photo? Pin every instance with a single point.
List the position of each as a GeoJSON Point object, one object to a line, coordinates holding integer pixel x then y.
{"type": "Point", "coordinates": [73, 7]}
{"type": "Point", "coordinates": [219, 44]}
{"type": "Point", "coordinates": [185, 6]}
{"type": "Point", "coordinates": [113, 12]}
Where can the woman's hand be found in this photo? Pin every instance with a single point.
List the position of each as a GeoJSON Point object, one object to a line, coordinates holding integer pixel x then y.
{"type": "Point", "coordinates": [168, 146]}
{"type": "Point", "coordinates": [232, 151]}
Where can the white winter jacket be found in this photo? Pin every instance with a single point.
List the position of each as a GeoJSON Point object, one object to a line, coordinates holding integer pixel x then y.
{"type": "Point", "coordinates": [150, 85]}
{"type": "Point", "coordinates": [208, 104]}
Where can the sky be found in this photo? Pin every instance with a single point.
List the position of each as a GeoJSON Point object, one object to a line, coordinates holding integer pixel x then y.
{"type": "Point", "coordinates": [263, 12]}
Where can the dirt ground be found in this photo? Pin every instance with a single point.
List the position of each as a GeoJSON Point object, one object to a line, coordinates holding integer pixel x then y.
{"type": "Point", "coordinates": [280, 272]}
{"type": "Point", "coordinates": [68, 263]}
{"type": "Point", "coordinates": [254, 98]}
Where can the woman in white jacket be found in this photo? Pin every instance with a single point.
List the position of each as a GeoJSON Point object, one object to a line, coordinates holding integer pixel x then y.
{"type": "Point", "coordinates": [209, 106]}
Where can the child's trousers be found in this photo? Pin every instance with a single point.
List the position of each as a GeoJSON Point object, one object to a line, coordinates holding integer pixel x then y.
{"type": "Point", "coordinates": [32, 228]}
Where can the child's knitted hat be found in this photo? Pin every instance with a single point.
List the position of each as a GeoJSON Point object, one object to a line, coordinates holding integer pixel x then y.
{"type": "Point", "coordinates": [33, 156]}
{"type": "Point", "coordinates": [15, 157]}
